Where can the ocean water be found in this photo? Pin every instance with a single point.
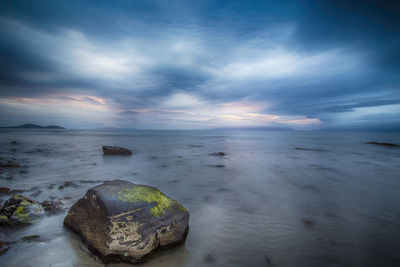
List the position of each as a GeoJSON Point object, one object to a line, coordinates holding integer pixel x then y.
{"type": "Point", "coordinates": [336, 204]}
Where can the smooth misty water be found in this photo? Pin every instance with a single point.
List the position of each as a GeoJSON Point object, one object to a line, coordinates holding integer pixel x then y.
{"type": "Point", "coordinates": [252, 212]}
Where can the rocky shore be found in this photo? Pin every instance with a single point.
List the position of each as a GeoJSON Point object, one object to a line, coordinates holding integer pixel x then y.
{"type": "Point", "coordinates": [117, 220]}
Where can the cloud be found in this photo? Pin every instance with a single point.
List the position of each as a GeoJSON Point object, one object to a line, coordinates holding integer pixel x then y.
{"type": "Point", "coordinates": [207, 64]}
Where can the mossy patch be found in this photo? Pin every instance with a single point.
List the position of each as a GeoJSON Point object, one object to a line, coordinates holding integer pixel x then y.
{"type": "Point", "coordinates": [150, 195]}
{"type": "Point", "coordinates": [21, 214]}
{"type": "Point", "coordinates": [27, 212]}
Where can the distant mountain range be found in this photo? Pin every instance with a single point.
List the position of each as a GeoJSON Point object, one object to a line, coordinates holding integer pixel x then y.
{"type": "Point", "coordinates": [35, 126]}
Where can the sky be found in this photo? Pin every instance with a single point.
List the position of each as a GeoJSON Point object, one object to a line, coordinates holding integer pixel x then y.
{"type": "Point", "coordinates": [200, 64]}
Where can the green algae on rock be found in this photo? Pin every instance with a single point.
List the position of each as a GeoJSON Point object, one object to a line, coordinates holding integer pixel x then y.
{"type": "Point", "coordinates": [20, 210]}
{"type": "Point", "coordinates": [122, 221]}
{"type": "Point", "coordinates": [140, 193]}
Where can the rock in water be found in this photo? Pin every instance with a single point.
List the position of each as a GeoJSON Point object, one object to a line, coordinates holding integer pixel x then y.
{"type": "Point", "coordinates": [121, 221]}
{"type": "Point", "coordinates": [116, 150]}
{"type": "Point", "coordinates": [4, 189]}
{"type": "Point", "coordinates": [52, 207]}
{"type": "Point", "coordinates": [382, 144]}
{"type": "Point", "coordinates": [20, 210]}
{"type": "Point", "coordinates": [218, 154]}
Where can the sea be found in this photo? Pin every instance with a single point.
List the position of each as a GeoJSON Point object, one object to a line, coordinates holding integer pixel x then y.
{"type": "Point", "coordinates": [291, 198]}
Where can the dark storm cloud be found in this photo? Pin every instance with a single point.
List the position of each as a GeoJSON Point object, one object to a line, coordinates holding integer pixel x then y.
{"type": "Point", "coordinates": [351, 107]}
{"type": "Point", "coordinates": [316, 59]}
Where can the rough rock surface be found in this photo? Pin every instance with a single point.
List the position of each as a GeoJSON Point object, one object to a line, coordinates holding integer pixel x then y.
{"type": "Point", "coordinates": [116, 150]}
{"type": "Point", "coordinates": [121, 221]}
{"type": "Point", "coordinates": [20, 210]}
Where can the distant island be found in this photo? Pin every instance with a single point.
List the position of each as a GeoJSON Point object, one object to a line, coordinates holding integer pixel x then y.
{"type": "Point", "coordinates": [35, 126]}
{"type": "Point", "coordinates": [267, 128]}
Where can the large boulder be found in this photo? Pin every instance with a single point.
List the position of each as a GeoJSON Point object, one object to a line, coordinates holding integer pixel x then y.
{"type": "Point", "coordinates": [116, 150]}
{"type": "Point", "coordinates": [122, 221]}
{"type": "Point", "coordinates": [20, 210]}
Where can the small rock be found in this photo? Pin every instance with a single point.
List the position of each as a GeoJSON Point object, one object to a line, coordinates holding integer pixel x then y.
{"type": "Point", "coordinates": [16, 191]}
{"type": "Point", "coordinates": [35, 194]}
{"type": "Point", "coordinates": [268, 260]}
{"type": "Point", "coordinates": [61, 187]}
{"type": "Point", "coordinates": [116, 150]}
{"type": "Point", "coordinates": [30, 238]}
{"type": "Point", "coordinates": [13, 142]}
{"type": "Point", "coordinates": [218, 154]}
{"type": "Point", "coordinates": [52, 207]}
{"type": "Point", "coordinates": [209, 258]}
{"type": "Point", "coordinates": [4, 190]}
{"type": "Point", "coordinates": [11, 165]}
{"type": "Point", "coordinates": [308, 222]}
{"type": "Point", "coordinates": [50, 187]}
{"type": "Point", "coordinates": [70, 184]}
{"type": "Point", "coordinates": [219, 166]}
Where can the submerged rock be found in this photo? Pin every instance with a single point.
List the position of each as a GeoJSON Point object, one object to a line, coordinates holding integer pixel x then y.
{"type": "Point", "coordinates": [20, 210]}
{"type": "Point", "coordinates": [37, 193]}
{"type": "Point", "coordinates": [121, 221]}
{"type": "Point", "coordinates": [52, 207]}
{"type": "Point", "coordinates": [51, 186]}
{"type": "Point", "coordinates": [91, 181]}
{"type": "Point", "coordinates": [30, 238]}
{"type": "Point", "coordinates": [116, 150]}
{"type": "Point", "coordinates": [308, 222]}
{"type": "Point", "coordinates": [309, 149]}
{"type": "Point", "coordinates": [209, 258]}
{"type": "Point", "coordinates": [219, 166]}
{"type": "Point", "coordinates": [8, 163]}
{"type": "Point", "coordinates": [382, 144]}
{"type": "Point", "coordinates": [70, 184]}
{"type": "Point", "coordinates": [4, 246]}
